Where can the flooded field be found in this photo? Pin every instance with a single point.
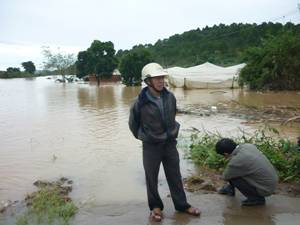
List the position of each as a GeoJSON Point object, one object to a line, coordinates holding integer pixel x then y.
{"type": "Point", "coordinates": [80, 131]}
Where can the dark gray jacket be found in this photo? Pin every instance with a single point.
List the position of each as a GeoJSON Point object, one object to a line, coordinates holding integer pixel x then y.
{"type": "Point", "coordinates": [247, 162]}
{"type": "Point", "coordinates": [146, 121]}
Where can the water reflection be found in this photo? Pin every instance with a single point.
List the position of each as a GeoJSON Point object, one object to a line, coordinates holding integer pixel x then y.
{"type": "Point", "coordinates": [267, 99]}
{"type": "Point", "coordinates": [101, 97]}
{"type": "Point", "coordinates": [287, 218]}
{"type": "Point", "coordinates": [279, 210]}
{"type": "Point", "coordinates": [251, 219]}
{"type": "Point", "coordinates": [181, 219]}
{"type": "Point", "coordinates": [204, 96]}
{"type": "Point", "coordinates": [129, 93]}
{"type": "Point", "coordinates": [30, 78]}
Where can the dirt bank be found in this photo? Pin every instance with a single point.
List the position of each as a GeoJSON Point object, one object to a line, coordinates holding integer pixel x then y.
{"type": "Point", "coordinates": [209, 181]}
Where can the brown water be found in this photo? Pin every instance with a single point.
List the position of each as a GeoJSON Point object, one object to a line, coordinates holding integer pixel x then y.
{"type": "Point", "coordinates": [80, 131]}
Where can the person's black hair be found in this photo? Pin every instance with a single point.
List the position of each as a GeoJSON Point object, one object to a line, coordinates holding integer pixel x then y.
{"type": "Point", "coordinates": [299, 141]}
{"type": "Point", "coordinates": [225, 145]}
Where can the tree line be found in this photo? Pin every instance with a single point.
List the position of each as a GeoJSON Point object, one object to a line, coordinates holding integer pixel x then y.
{"type": "Point", "coordinates": [270, 50]}
{"type": "Point", "coordinates": [220, 44]}
{"type": "Point", "coordinates": [13, 72]}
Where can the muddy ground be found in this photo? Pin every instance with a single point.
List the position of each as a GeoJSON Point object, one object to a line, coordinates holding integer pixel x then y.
{"type": "Point", "coordinates": [216, 210]}
{"type": "Point", "coordinates": [209, 181]}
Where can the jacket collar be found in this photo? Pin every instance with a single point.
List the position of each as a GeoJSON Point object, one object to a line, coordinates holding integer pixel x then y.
{"type": "Point", "coordinates": [143, 98]}
{"type": "Point", "coordinates": [235, 151]}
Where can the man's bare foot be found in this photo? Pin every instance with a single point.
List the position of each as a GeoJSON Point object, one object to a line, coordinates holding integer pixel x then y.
{"type": "Point", "coordinates": [156, 214]}
{"type": "Point", "coordinates": [193, 211]}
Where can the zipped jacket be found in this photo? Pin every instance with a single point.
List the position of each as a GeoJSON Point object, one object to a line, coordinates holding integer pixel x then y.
{"type": "Point", "coordinates": [146, 121]}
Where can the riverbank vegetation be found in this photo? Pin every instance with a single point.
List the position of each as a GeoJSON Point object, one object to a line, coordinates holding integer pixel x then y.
{"type": "Point", "coordinates": [281, 152]}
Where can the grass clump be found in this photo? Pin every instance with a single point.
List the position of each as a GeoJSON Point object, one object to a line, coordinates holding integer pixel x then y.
{"type": "Point", "coordinates": [50, 204]}
{"type": "Point", "coordinates": [281, 152]}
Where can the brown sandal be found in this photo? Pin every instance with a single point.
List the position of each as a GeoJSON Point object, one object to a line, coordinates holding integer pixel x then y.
{"type": "Point", "coordinates": [156, 215]}
{"type": "Point", "coordinates": [193, 211]}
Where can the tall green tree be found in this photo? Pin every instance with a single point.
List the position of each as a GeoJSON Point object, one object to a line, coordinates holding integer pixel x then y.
{"type": "Point", "coordinates": [131, 66]}
{"type": "Point", "coordinates": [29, 67]}
{"type": "Point", "coordinates": [58, 61]}
{"type": "Point", "coordinates": [98, 59]}
{"type": "Point", "coordinates": [275, 65]}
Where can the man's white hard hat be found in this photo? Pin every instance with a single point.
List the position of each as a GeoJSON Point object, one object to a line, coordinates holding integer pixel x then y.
{"type": "Point", "coordinates": [153, 70]}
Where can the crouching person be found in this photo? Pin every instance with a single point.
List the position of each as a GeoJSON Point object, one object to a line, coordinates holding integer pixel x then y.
{"type": "Point", "coordinates": [248, 170]}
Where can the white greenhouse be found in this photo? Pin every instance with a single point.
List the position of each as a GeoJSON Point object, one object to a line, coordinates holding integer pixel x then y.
{"type": "Point", "coordinates": [206, 75]}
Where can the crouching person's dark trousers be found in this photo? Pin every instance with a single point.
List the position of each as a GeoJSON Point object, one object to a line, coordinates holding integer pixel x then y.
{"type": "Point", "coordinates": [245, 188]}
{"type": "Point", "coordinates": [167, 154]}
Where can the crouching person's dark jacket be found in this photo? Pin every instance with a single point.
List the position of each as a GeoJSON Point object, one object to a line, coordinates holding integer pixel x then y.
{"type": "Point", "coordinates": [148, 123]}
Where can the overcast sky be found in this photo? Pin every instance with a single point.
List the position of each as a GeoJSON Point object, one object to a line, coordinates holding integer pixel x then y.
{"type": "Point", "coordinates": [72, 25]}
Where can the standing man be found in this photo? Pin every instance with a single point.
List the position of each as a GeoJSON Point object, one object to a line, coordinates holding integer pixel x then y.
{"type": "Point", "coordinates": [248, 170]}
{"type": "Point", "coordinates": [152, 120]}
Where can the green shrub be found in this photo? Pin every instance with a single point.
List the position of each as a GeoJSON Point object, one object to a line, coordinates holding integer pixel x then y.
{"type": "Point", "coordinates": [281, 152]}
{"type": "Point", "coordinates": [202, 151]}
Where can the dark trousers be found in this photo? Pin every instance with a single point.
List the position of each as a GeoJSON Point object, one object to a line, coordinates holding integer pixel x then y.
{"type": "Point", "coordinates": [245, 188]}
{"type": "Point", "coordinates": [167, 154]}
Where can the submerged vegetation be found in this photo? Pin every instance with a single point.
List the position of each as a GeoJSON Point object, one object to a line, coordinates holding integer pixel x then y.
{"type": "Point", "coordinates": [50, 204]}
{"type": "Point", "coordinates": [281, 152]}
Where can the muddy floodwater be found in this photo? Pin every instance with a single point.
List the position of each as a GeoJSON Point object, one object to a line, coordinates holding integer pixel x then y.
{"type": "Point", "coordinates": [79, 130]}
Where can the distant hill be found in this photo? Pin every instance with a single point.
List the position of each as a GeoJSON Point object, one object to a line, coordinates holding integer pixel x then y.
{"type": "Point", "coordinates": [221, 44]}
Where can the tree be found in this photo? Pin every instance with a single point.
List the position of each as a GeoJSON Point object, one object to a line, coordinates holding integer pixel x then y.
{"type": "Point", "coordinates": [29, 67]}
{"type": "Point", "coordinates": [98, 59]}
{"type": "Point", "coordinates": [131, 66]}
{"type": "Point", "coordinates": [82, 64]}
{"type": "Point", "coordinates": [103, 59]}
{"type": "Point", "coordinates": [275, 65]}
{"type": "Point", "coordinates": [60, 61]}
{"type": "Point", "coordinates": [13, 70]}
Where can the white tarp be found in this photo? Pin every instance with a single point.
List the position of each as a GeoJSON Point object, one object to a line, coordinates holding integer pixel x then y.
{"type": "Point", "coordinates": [206, 75]}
